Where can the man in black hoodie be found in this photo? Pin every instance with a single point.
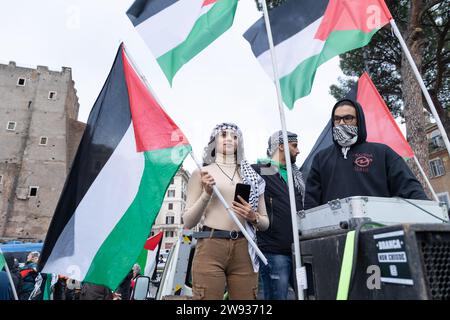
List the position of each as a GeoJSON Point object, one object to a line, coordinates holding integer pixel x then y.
{"type": "Point", "coordinates": [355, 167]}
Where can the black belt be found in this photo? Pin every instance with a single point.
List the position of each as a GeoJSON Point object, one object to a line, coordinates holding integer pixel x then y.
{"type": "Point", "coordinates": [208, 232]}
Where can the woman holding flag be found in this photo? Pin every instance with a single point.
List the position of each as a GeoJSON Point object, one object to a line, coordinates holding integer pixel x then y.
{"type": "Point", "coordinates": [223, 255]}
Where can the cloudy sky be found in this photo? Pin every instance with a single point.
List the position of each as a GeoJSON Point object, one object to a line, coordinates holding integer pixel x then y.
{"type": "Point", "coordinates": [223, 83]}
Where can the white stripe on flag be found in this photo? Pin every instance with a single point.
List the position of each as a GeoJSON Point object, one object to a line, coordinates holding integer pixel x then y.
{"type": "Point", "coordinates": [99, 211]}
{"type": "Point", "coordinates": [170, 27]}
{"type": "Point", "coordinates": [293, 51]}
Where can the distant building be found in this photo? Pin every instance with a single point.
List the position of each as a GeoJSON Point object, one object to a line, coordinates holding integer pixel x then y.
{"type": "Point", "coordinates": [169, 219]}
{"type": "Point", "coordinates": [439, 163]}
{"type": "Point", "coordinates": [39, 136]}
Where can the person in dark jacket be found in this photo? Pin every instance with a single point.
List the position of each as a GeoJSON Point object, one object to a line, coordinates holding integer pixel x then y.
{"type": "Point", "coordinates": [13, 266]}
{"type": "Point", "coordinates": [355, 167]}
{"type": "Point", "coordinates": [6, 291]}
{"type": "Point", "coordinates": [28, 274]}
{"type": "Point", "coordinates": [5, 287]}
{"type": "Point", "coordinates": [276, 242]}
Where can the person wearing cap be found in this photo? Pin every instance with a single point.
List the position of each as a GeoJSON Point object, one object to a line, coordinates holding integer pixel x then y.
{"type": "Point", "coordinates": [354, 167]}
{"type": "Point", "coordinates": [223, 256]}
{"type": "Point", "coordinates": [276, 242]}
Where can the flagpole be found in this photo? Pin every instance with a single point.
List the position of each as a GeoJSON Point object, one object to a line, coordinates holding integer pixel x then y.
{"type": "Point", "coordinates": [233, 216]}
{"type": "Point", "coordinates": [426, 179]}
{"type": "Point", "coordinates": [299, 270]}
{"type": "Point", "coordinates": [8, 273]}
{"type": "Point", "coordinates": [421, 83]}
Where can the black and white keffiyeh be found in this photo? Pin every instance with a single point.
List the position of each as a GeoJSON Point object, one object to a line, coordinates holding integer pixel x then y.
{"type": "Point", "coordinates": [209, 153]}
{"type": "Point", "coordinates": [345, 136]}
{"type": "Point", "coordinates": [276, 139]}
{"type": "Point", "coordinates": [40, 283]}
{"type": "Point", "coordinates": [248, 175]}
{"type": "Point", "coordinates": [299, 182]}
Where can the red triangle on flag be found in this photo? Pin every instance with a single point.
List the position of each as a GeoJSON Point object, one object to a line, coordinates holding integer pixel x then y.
{"type": "Point", "coordinates": [208, 2]}
{"type": "Point", "coordinates": [380, 124]}
{"type": "Point", "coordinates": [153, 128]}
{"type": "Point", "coordinates": [153, 241]}
{"type": "Point", "coordinates": [343, 15]}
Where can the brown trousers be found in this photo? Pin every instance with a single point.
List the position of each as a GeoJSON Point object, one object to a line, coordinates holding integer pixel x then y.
{"type": "Point", "coordinates": [223, 261]}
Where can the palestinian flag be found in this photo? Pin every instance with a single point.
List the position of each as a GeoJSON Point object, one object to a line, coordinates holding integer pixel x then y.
{"type": "Point", "coordinates": [177, 30]}
{"type": "Point", "coordinates": [308, 33]}
{"type": "Point", "coordinates": [148, 259]}
{"type": "Point", "coordinates": [380, 124]}
{"type": "Point", "coordinates": [129, 152]}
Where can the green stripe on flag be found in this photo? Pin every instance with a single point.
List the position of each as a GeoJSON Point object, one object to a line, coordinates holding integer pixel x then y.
{"type": "Point", "coordinates": [47, 287]}
{"type": "Point", "coordinates": [2, 261]}
{"type": "Point", "coordinates": [122, 247]}
{"type": "Point", "coordinates": [206, 29]}
{"type": "Point", "coordinates": [142, 259]}
{"type": "Point", "coordinates": [299, 82]}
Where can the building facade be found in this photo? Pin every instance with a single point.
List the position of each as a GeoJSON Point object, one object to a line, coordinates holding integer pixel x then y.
{"type": "Point", "coordinates": [439, 163]}
{"type": "Point", "coordinates": [39, 136]}
{"type": "Point", "coordinates": [169, 219]}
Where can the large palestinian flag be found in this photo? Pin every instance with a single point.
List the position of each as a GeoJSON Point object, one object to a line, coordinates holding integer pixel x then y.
{"type": "Point", "coordinates": [177, 30]}
{"type": "Point", "coordinates": [308, 33]}
{"type": "Point", "coordinates": [380, 124]}
{"type": "Point", "coordinates": [129, 152]}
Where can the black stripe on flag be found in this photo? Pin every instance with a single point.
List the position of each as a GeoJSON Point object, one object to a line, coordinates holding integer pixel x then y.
{"type": "Point", "coordinates": [108, 122]}
{"type": "Point", "coordinates": [286, 20]}
{"type": "Point", "coordinates": [325, 139]}
{"type": "Point", "coordinates": [155, 271]}
{"type": "Point", "coordinates": [141, 10]}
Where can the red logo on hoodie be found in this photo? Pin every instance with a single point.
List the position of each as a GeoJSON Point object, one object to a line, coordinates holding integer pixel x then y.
{"type": "Point", "coordinates": [363, 161]}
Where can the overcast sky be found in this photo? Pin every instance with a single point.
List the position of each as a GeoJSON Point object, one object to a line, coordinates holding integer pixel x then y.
{"type": "Point", "coordinates": [223, 83]}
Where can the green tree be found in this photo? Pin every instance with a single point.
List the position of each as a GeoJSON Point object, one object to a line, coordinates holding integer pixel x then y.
{"type": "Point", "coordinates": [425, 26]}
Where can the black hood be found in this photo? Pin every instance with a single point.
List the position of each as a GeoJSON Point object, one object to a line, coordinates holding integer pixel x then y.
{"type": "Point", "coordinates": [362, 131]}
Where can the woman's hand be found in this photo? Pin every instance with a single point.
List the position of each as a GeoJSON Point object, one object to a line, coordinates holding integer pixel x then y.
{"type": "Point", "coordinates": [207, 182]}
{"type": "Point", "coordinates": [244, 209]}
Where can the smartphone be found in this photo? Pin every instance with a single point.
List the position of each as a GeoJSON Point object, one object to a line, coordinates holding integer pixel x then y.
{"type": "Point", "coordinates": [242, 190]}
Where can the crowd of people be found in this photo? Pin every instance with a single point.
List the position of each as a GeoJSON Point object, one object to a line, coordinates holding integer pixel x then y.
{"type": "Point", "coordinates": [29, 284]}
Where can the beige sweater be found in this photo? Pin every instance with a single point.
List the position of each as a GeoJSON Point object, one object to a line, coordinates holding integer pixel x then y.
{"type": "Point", "coordinates": [199, 203]}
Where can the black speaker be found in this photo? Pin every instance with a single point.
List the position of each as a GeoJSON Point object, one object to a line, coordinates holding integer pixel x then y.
{"type": "Point", "coordinates": [404, 262]}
